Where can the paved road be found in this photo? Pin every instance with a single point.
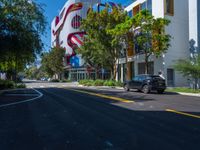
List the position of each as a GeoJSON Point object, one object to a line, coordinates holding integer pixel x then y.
{"type": "Point", "coordinates": [63, 119]}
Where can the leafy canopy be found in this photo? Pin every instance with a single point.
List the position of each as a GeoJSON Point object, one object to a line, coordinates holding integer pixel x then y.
{"type": "Point", "coordinates": [189, 68]}
{"type": "Point", "coordinates": [21, 24]}
{"type": "Point", "coordinates": [52, 62]}
{"type": "Point", "coordinates": [148, 34]}
{"type": "Point", "coordinates": [98, 49]}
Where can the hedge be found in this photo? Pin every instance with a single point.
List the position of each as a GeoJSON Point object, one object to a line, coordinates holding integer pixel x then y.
{"type": "Point", "coordinates": [100, 83]}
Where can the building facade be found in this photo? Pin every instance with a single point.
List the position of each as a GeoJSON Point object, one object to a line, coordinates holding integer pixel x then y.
{"type": "Point", "coordinates": [65, 33]}
{"type": "Point", "coordinates": [194, 26]}
{"type": "Point", "coordinates": [177, 13]}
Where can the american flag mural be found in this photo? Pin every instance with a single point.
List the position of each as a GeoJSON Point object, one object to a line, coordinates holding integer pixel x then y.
{"type": "Point", "coordinates": [66, 26]}
{"type": "Point", "coordinates": [76, 22]}
{"type": "Point", "coordinates": [75, 40]}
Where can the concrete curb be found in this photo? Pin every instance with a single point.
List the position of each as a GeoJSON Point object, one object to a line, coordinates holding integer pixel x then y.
{"type": "Point", "coordinates": [188, 94]}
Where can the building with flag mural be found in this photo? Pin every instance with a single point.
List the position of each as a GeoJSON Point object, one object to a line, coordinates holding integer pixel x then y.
{"type": "Point", "coordinates": [65, 33]}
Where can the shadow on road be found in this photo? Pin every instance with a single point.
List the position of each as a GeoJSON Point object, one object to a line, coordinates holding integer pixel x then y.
{"type": "Point", "coordinates": [64, 119]}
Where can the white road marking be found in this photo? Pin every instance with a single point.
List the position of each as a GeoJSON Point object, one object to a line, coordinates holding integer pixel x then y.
{"type": "Point", "coordinates": [42, 86]}
{"type": "Point", "coordinates": [24, 101]}
{"type": "Point", "coordinates": [21, 94]}
{"type": "Point", "coordinates": [108, 143]}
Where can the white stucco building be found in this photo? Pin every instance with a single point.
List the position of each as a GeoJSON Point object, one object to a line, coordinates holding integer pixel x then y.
{"type": "Point", "coordinates": [177, 12]}
{"type": "Point", "coordinates": [194, 25]}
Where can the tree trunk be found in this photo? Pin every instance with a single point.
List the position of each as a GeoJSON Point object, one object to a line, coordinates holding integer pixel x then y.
{"type": "Point", "coordinates": [96, 73]}
{"type": "Point", "coordinates": [115, 72]}
{"type": "Point", "coordinates": [196, 83]}
{"type": "Point", "coordinates": [112, 72]}
{"type": "Point", "coordinates": [146, 63]}
{"type": "Point", "coordinates": [126, 62]}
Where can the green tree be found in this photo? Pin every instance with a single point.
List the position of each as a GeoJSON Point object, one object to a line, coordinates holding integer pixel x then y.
{"type": "Point", "coordinates": [52, 62]}
{"type": "Point", "coordinates": [45, 64]}
{"type": "Point", "coordinates": [145, 31]}
{"type": "Point", "coordinates": [98, 49]}
{"type": "Point", "coordinates": [21, 24]}
{"type": "Point", "coordinates": [122, 34]}
{"type": "Point", "coordinates": [152, 38]}
{"type": "Point", "coordinates": [189, 69]}
{"type": "Point", "coordinates": [31, 72]}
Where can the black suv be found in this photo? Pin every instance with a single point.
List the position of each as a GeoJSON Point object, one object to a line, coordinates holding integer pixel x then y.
{"type": "Point", "coordinates": [146, 83]}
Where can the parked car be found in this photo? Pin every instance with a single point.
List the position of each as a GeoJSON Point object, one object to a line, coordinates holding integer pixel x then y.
{"type": "Point", "coordinates": [146, 83]}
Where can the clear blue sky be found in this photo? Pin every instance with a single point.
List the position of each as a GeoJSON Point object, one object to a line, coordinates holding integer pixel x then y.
{"type": "Point", "coordinates": [52, 8]}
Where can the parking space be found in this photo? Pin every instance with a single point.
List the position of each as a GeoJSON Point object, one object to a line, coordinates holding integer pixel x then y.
{"type": "Point", "coordinates": [15, 96]}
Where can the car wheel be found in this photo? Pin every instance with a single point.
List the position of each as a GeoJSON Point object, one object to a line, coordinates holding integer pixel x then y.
{"type": "Point", "coordinates": [160, 91]}
{"type": "Point", "coordinates": [145, 89]}
{"type": "Point", "coordinates": [126, 88]}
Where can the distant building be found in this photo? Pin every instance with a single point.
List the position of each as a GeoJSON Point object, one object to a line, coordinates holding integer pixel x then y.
{"type": "Point", "coordinates": [65, 33]}
{"type": "Point", "coordinates": [2, 76]}
{"type": "Point", "coordinates": [177, 12]}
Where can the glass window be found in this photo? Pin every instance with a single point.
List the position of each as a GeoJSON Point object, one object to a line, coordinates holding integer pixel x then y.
{"type": "Point", "coordinates": [119, 72]}
{"type": "Point", "coordinates": [141, 68]}
{"type": "Point", "coordinates": [144, 6]}
{"type": "Point", "coordinates": [170, 77]}
{"type": "Point", "coordinates": [149, 5]}
{"type": "Point", "coordinates": [169, 7]}
{"type": "Point", "coordinates": [141, 78]}
{"type": "Point", "coordinates": [132, 69]}
{"type": "Point", "coordinates": [130, 13]}
{"type": "Point", "coordinates": [136, 78]}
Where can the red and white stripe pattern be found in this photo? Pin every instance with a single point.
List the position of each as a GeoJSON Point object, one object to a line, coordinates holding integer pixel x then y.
{"type": "Point", "coordinates": [77, 39]}
{"type": "Point", "coordinates": [76, 22]}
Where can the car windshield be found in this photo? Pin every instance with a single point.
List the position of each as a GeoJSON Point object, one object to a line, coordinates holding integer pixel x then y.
{"type": "Point", "coordinates": [153, 77]}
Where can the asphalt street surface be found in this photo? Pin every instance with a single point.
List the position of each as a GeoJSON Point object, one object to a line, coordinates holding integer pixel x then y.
{"type": "Point", "coordinates": [66, 119]}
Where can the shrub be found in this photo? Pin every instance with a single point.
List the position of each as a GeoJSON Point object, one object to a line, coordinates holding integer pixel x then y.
{"type": "Point", "coordinates": [118, 83]}
{"type": "Point", "coordinates": [86, 82]}
{"type": "Point", "coordinates": [99, 82]}
{"type": "Point", "coordinates": [89, 83]}
{"type": "Point", "coordinates": [109, 83]}
{"type": "Point", "coordinates": [6, 84]}
{"type": "Point", "coordinates": [22, 85]}
{"type": "Point", "coordinates": [83, 82]}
